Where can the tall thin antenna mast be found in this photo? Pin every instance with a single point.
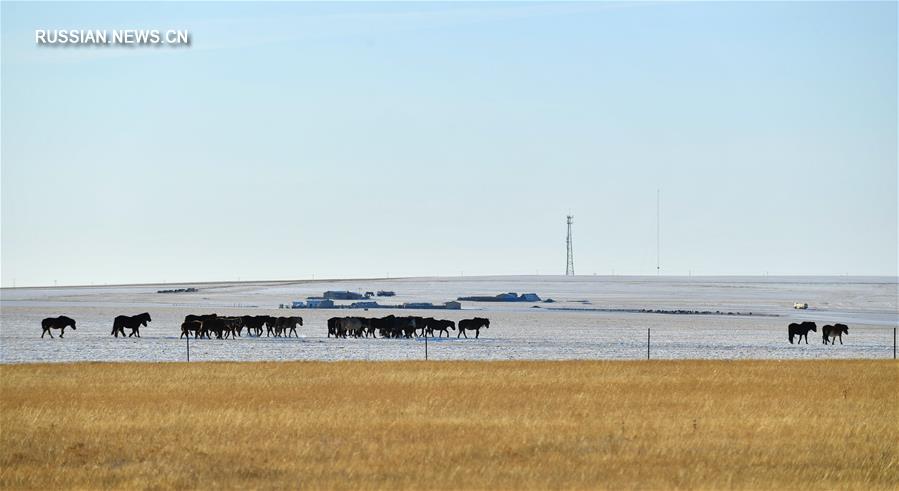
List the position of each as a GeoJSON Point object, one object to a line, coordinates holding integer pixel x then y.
{"type": "Point", "coordinates": [569, 264]}
{"type": "Point", "coordinates": [658, 231]}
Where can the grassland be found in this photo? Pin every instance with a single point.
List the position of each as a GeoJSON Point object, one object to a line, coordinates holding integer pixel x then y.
{"type": "Point", "coordinates": [497, 425]}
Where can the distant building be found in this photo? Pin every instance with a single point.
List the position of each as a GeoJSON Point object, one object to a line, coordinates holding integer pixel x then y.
{"type": "Point", "coordinates": [504, 297]}
{"type": "Point", "coordinates": [386, 293]}
{"type": "Point", "coordinates": [179, 290]}
{"type": "Point", "coordinates": [343, 295]}
{"type": "Point", "coordinates": [364, 305]}
{"type": "Point", "coordinates": [418, 305]}
{"type": "Point", "coordinates": [325, 303]}
{"type": "Point", "coordinates": [452, 305]}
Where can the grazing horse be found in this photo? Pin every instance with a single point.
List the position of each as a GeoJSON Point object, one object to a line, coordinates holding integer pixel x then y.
{"type": "Point", "coordinates": [834, 331]}
{"type": "Point", "coordinates": [801, 330]}
{"type": "Point", "coordinates": [61, 323]}
{"type": "Point", "coordinates": [131, 322]}
{"type": "Point", "coordinates": [472, 325]}
{"type": "Point", "coordinates": [439, 325]}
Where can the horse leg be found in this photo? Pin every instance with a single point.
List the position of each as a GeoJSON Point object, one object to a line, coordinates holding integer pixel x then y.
{"type": "Point", "coordinates": [62, 330]}
{"type": "Point", "coordinates": [477, 332]}
{"type": "Point", "coordinates": [841, 339]}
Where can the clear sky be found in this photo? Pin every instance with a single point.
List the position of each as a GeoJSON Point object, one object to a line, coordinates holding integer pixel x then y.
{"type": "Point", "coordinates": [366, 139]}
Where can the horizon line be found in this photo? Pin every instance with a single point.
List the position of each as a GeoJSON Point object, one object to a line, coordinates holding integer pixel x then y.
{"type": "Point", "coordinates": [383, 278]}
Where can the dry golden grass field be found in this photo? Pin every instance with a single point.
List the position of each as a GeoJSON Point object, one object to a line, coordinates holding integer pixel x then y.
{"type": "Point", "coordinates": [470, 425]}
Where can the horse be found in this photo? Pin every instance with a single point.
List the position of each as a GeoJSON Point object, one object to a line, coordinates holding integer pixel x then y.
{"type": "Point", "coordinates": [61, 323]}
{"type": "Point", "coordinates": [369, 326]}
{"type": "Point", "coordinates": [254, 324]}
{"type": "Point", "coordinates": [386, 326]}
{"type": "Point", "coordinates": [216, 325]}
{"type": "Point", "coordinates": [801, 330]}
{"type": "Point", "coordinates": [201, 328]}
{"type": "Point", "coordinates": [231, 326]}
{"type": "Point", "coordinates": [472, 325]}
{"type": "Point", "coordinates": [195, 325]}
{"type": "Point", "coordinates": [336, 327]}
{"type": "Point", "coordinates": [439, 325]}
{"type": "Point", "coordinates": [287, 325]}
{"type": "Point", "coordinates": [834, 331]}
{"type": "Point", "coordinates": [131, 322]}
{"type": "Point", "coordinates": [406, 325]}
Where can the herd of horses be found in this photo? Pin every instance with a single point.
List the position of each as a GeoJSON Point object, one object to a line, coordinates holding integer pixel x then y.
{"type": "Point", "coordinates": [224, 327]}
{"type": "Point", "coordinates": [402, 327]}
{"type": "Point", "coordinates": [829, 333]}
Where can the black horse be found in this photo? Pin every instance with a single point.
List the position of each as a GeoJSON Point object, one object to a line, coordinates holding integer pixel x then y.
{"type": "Point", "coordinates": [131, 322]}
{"type": "Point", "coordinates": [834, 331]}
{"type": "Point", "coordinates": [195, 326]}
{"type": "Point", "coordinates": [473, 325]}
{"type": "Point", "coordinates": [801, 330]}
{"type": "Point", "coordinates": [286, 325]}
{"type": "Point", "coordinates": [439, 325]}
{"type": "Point", "coordinates": [61, 323]}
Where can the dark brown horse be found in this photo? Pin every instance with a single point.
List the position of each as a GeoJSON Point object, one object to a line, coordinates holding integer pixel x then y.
{"type": "Point", "coordinates": [473, 325]}
{"type": "Point", "coordinates": [131, 322]}
{"type": "Point", "coordinates": [835, 331]}
{"type": "Point", "coordinates": [61, 323]}
{"type": "Point", "coordinates": [801, 330]}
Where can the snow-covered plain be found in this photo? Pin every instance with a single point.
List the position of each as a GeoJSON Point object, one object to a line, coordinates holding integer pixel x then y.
{"type": "Point", "coordinates": [566, 329]}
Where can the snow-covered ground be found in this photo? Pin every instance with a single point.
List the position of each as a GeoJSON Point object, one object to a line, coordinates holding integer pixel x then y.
{"type": "Point", "coordinates": [566, 329]}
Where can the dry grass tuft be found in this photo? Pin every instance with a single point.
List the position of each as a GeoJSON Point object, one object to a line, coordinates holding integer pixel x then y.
{"type": "Point", "coordinates": [695, 424]}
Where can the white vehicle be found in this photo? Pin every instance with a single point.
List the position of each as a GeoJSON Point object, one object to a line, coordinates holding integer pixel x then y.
{"type": "Point", "coordinates": [800, 305]}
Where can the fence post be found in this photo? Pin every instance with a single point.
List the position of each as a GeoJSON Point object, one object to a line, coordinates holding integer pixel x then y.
{"type": "Point", "coordinates": [894, 343]}
{"type": "Point", "coordinates": [187, 337]}
{"type": "Point", "coordinates": [648, 331]}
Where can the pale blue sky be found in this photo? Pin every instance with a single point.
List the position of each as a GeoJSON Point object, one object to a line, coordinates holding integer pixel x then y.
{"type": "Point", "coordinates": [365, 139]}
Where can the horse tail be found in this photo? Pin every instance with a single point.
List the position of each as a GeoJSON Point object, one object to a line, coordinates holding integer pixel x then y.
{"type": "Point", "coordinates": [791, 337]}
